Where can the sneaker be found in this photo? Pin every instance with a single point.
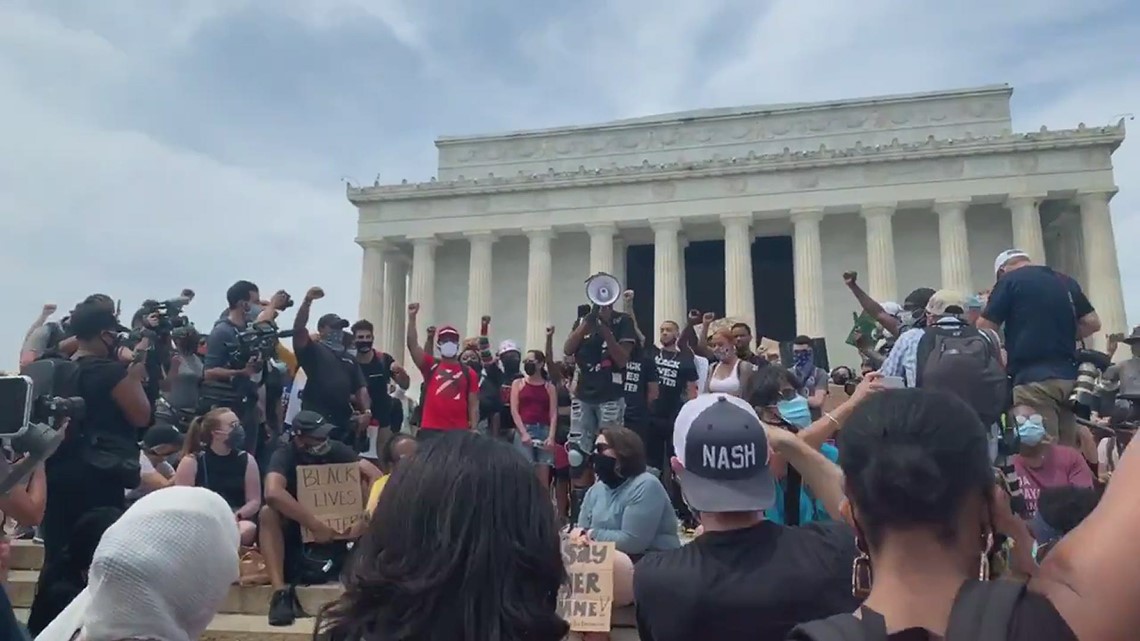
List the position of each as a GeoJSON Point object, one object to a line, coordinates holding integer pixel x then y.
{"type": "Point", "coordinates": [281, 607]}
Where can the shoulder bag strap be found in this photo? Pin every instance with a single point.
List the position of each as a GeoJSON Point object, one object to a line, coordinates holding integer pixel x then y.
{"type": "Point", "coordinates": [983, 609]}
{"type": "Point", "coordinates": [869, 626]}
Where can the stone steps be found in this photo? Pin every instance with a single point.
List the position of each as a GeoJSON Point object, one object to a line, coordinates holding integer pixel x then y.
{"type": "Point", "coordinates": [243, 615]}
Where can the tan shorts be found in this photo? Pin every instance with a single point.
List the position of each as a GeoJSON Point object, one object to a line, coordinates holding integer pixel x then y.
{"type": "Point", "coordinates": [1051, 400]}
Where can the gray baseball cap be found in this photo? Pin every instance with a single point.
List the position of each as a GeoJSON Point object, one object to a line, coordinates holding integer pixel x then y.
{"type": "Point", "coordinates": [722, 446]}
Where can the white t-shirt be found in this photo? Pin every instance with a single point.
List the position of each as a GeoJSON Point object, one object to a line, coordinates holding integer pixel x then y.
{"type": "Point", "coordinates": [702, 365]}
{"type": "Point", "coordinates": [294, 404]}
{"type": "Point", "coordinates": [1106, 454]}
{"type": "Point", "coordinates": [145, 467]}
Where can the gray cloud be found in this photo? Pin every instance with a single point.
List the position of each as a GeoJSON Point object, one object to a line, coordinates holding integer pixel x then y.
{"type": "Point", "coordinates": [152, 146]}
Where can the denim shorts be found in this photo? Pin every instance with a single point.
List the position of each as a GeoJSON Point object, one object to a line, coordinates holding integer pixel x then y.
{"type": "Point", "coordinates": [587, 419]}
{"type": "Point", "coordinates": [537, 452]}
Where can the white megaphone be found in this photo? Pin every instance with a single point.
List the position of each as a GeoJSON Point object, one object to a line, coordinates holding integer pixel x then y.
{"type": "Point", "coordinates": [603, 289]}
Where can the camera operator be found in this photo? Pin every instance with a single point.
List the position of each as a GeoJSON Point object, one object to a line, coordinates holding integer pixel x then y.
{"type": "Point", "coordinates": [236, 385]}
{"type": "Point", "coordinates": [99, 458]}
{"type": "Point", "coordinates": [334, 383]}
{"type": "Point", "coordinates": [1044, 313]}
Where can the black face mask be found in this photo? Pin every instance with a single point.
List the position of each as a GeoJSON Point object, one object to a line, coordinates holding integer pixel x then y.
{"type": "Point", "coordinates": [530, 367]}
{"type": "Point", "coordinates": [363, 346]}
{"type": "Point", "coordinates": [605, 468]}
{"type": "Point", "coordinates": [510, 364]}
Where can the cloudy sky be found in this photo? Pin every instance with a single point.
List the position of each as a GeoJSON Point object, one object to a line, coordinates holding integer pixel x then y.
{"type": "Point", "coordinates": [148, 146]}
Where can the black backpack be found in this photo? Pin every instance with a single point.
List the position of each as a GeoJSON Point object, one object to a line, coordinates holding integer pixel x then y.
{"type": "Point", "coordinates": [961, 360]}
{"type": "Point", "coordinates": [982, 611]}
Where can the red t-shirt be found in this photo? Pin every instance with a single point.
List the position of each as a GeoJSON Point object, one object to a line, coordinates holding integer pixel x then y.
{"type": "Point", "coordinates": [445, 394]}
{"type": "Point", "coordinates": [1062, 466]}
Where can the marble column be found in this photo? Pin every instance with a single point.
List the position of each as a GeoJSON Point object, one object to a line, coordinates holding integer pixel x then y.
{"type": "Point", "coordinates": [1102, 271]}
{"type": "Point", "coordinates": [882, 282]}
{"type": "Point", "coordinates": [371, 281]}
{"type": "Point", "coordinates": [478, 280]}
{"type": "Point", "coordinates": [538, 287]}
{"type": "Point", "coordinates": [739, 299]}
{"type": "Point", "coordinates": [394, 316]}
{"type": "Point", "coordinates": [1025, 215]}
{"type": "Point", "coordinates": [954, 248]}
{"type": "Point", "coordinates": [421, 289]}
{"type": "Point", "coordinates": [619, 267]}
{"type": "Point", "coordinates": [666, 270]}
{"type": "Point", "coordinates": [680, 308]}
{"type": "Point", "coordinates": [601, 247]}
{"type": "Point", "coordinates": [807, 256]}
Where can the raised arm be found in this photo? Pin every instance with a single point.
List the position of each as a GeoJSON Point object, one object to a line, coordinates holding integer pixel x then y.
{"type": "Point", "coordinates": [415, 350]}
{"type": "Point", "coordinates": [870, 305]}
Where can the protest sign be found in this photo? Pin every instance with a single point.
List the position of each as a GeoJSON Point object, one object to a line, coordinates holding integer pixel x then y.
{"type": "Point", "coordinates": [862, 329]}
{"type": "Point", "coordinates": [333, 493]}
{"type": "Point", "coordinates": [586, 599]}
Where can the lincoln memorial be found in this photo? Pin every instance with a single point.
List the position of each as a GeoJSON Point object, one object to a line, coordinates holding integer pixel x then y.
{"type": "Point", "coordinates": [751, 212]}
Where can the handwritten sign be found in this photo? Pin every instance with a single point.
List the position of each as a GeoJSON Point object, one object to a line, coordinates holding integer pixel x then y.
{"type": "Point", "coordinates": [586, 599]}
{"type": "Point", "coordinates": [333, 494]}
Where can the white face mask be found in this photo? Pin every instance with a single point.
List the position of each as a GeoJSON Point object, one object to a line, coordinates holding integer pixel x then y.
{"type": "Point", "coordinates": [448, 350]}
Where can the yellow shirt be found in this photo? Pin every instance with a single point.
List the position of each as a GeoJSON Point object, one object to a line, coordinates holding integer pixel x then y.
{"type": "Point", "coordinates": [374, 494]}
{"type": "Point", "coordinates": [287, 357]}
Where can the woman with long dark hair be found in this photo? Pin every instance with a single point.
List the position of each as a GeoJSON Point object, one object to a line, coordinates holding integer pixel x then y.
{"type": "Point", "coordinates": [463, 545]}
{"type": "Point", "coordinates": [929, 515]}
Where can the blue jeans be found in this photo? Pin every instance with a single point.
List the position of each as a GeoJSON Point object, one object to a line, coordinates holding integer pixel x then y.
{"type": "Point", "coordinates": [587, 420]}
{"type": "Point", "coordinates": [537, 452]}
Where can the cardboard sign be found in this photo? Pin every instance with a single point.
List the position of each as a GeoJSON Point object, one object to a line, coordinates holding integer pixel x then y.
{"type": "Point", "coordinates": [333, 494]}
{"type": "Point", "coordinates": [586, 600]}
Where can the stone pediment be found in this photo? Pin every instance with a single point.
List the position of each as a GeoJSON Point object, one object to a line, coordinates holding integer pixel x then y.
{"type": "Point", "coordinates": [879, 155]}
{"type": "Point", "coordinates": [713, 134]}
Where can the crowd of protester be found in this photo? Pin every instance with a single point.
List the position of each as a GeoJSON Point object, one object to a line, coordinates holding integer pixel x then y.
{"type": "Point", "coordinates": [949, 485]}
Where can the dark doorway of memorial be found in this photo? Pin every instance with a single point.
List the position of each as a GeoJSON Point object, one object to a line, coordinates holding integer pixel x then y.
{"type": "Point", "coordinates": [774, 288]}
{"type": "Point", "coordinates": [772, 279]}
{"type": "Point", "coordinates": [639, 278]}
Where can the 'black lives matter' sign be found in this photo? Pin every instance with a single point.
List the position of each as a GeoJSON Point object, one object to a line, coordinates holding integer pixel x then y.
{"type": "Point", "coordinates": [586, 599]}
{"type": "Point", "coordinates": [333, 494]}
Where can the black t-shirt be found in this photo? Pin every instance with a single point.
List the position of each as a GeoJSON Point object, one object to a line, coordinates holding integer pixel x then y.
{"type": "Point", "coordinates": [754, 584]}
{"type": "Point", "coordinates": [1034, 619]}
{"type": "Point", "coordinates": [286, 459]}
{"type": "Point", "coordinates": [675, 370]}
{"type": "Point", "coordinates": [640, 371]}
{"type": "Point", "coordinates": [102, 416]}
{"type": "Point", "coordinates": [598, 380]}
{"type": "Point", "coordinates": [377, 375]}
{"type": "Point", "coordinates": [1038, 309]}
{"type": "Point", "coordinates": [490, 403]}
{"type": "Point", "coordinates": [223, 475]}
{"type": "Point", "coordinates": [330, 380]}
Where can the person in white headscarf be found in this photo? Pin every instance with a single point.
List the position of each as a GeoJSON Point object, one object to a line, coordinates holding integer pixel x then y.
{"type": "Point", "coordinates": [160, 572]}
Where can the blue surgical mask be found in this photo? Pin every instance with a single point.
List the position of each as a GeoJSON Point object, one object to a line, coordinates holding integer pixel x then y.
{"type": "Point", "coordinates": [1031, 429]}
{"type": "Point", "coordinates": [795, 411]}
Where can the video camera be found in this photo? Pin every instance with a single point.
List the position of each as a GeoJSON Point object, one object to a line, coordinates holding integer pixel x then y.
{"type": "Point", "coordinates": [258, 340]}
{"type": "Point", "coordinates": [1088, 392]}
{"type": "Point", "coordinates": [171, 321]}
{"type": "Point", "coordinates": [31, 413]}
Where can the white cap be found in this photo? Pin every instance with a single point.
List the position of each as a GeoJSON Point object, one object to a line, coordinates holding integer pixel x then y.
{"type": "Point", "coordinates": [1007, 256]}
{"type": "Point", "coordinates": [507, 346]}
{"type": "Point", "coordinates": [892, 308]}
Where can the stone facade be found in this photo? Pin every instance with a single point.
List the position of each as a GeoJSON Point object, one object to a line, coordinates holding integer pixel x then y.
{"type": "Point", "coordinates": [914, 190]}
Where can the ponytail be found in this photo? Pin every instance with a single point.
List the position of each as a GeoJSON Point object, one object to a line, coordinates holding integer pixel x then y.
{"type": "Point", "coordinates": [199, 434]}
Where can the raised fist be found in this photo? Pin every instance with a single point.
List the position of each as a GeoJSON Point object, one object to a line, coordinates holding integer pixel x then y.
{"type": "Point", "coordinates": [708, 317]}
{"type": "Point", "coordinates": [694, 316]}
{"type": "Point", "coordinates": [627, 295]}
{"type": "Point", "coordinates": [486, 320]}
{"type": "Point", "coordinates": [314, 293]}
{"type": "Point", "coordinates": [849, 277]}
{"type": "Point", "coordinates": [49, 308]}
{"type": "Point", "coordinates": [413, 309]}
{"type": "Point", "coordinates": [431, 331]}
{"type": "Point", "coordinates": [550, 330]}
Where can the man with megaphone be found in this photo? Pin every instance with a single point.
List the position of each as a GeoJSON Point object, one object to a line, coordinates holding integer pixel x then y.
{"type": "Point", "coordinates": [600, 346]}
